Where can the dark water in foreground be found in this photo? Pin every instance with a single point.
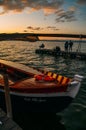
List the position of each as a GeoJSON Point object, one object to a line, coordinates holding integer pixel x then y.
{"type": "Point", "coordinates": [72, 118]}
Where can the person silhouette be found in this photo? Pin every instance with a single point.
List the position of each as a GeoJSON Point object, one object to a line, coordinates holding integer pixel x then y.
{"type": "Point", "coordinates": [66, 46]}
{"type": "Point", "coordinates": [42, 45]}
{"type": "Point", "coordinates": [70, 45]}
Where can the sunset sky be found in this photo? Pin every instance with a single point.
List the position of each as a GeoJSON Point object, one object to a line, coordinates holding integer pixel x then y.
{"type": "Point", "coordinates": [43, 16]}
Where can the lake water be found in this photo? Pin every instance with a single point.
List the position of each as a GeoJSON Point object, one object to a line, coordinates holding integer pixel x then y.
{"type": "Point", "coordinates": [72, 118]}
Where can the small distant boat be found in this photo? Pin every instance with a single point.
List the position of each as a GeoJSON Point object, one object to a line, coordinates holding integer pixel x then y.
{"type": "Point", "coordinates": [34, 90]}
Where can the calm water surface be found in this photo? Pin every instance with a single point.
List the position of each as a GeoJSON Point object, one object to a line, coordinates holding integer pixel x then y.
{"type": "Point", "coordinates": [74, 117]}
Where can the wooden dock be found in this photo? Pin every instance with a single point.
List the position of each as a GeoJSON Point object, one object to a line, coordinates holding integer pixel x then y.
{"type": "Point", "coordinates": [72, 55]}
{"type": "Point", "coordinates": [7, 123]}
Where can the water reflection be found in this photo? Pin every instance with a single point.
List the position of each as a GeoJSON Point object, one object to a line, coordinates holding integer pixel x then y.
{"type": "Point", "coordinates": [40, 121]}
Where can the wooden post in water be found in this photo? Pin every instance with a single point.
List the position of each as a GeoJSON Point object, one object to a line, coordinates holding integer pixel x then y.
{"type": "Point", "coordinates": [7, 96]}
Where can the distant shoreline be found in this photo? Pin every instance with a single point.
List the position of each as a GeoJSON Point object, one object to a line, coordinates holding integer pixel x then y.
{"type": "Point", "coordinates": [44, 40]}
{"type": "Point", "coordinates": [39, 37]}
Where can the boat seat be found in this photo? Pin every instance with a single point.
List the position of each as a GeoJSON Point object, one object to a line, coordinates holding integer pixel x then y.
{"type": "Point", "coordinates": [49, 74]}
{"type": "Point", "coordinates": [54, 75]}
{"type": "Point", "coordinates": [59, 78]}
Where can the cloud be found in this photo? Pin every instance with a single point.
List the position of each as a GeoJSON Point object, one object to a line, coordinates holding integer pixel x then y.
{"type": "Point", "coordinates": [31, 28]}
{"type": "Point", "coordinates": [12, 5]}
{"type": "Point", "coordinates": [48, 6]}
{"type": "Point", "coordinates": [34, 28]}
{"type": "Point", "coordinates": [81, 2]}
{"type": "Point", "coordinates": [25, 30]}
{"type": "Point", "coordinates": [52, 28]}
{"type": "Point", "coordinates": [72, 8]}
{"type": "Point", "coordinates": [66, 16]}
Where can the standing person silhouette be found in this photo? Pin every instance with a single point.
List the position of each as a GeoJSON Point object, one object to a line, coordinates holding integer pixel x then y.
{"type": "Point", "coordinates": [66, 46]}
{"type": "Point", "coordinates": [70, 45]}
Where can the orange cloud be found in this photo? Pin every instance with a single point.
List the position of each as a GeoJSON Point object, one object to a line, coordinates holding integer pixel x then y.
{"type": "Point", "coordinates": [19, 5]}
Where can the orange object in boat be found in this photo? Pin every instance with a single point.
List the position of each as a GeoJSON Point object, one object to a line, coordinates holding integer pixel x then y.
{"type": "Point", "coordinates": [48, 78]}
{"type": "Point", "coordinates": [44, 78]}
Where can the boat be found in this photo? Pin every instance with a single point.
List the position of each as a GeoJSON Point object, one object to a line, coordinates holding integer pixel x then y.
{"type": "Point", "coordinates": [36, 90]}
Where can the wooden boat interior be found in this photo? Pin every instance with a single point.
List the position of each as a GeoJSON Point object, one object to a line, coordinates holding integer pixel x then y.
{"type": "Point", "coordinates": [16, 71]}
{"type": "Point", "coordinates": [22, 79]}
